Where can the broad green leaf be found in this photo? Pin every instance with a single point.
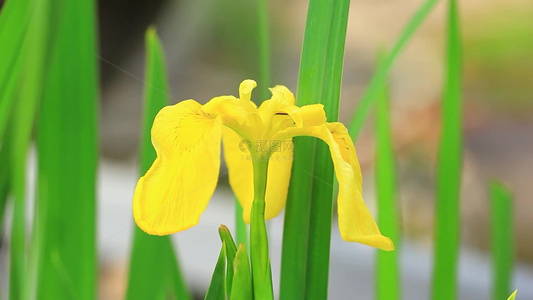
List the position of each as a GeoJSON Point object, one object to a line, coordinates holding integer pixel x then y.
{"type": "Point", "coordinates": [242, 279]}
{"type": "Point", "coordinates": [67, 144]}
{"type": "Point", "coordinates": [231, 250]}
{"type": "Point", "coordinates": [501, 239]}
{"type": "Point", "coordinates": [298, 208]}
{"type": "Point", "coordinates": [387, 273]}
{"type": "Point", "coordinates": [153, 254]}
{"type": "Point", "coordinates": [447, 227]}
{"type": "Point", "coordinates": [323, 179]}
{"type": "Point", "coordinates": [217, 287]}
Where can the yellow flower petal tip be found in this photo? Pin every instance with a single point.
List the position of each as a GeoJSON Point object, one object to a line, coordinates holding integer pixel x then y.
{"type": "Point", "coordinates": [176, 189]}
{"type": "Point", "coordinates": [513, 295]}
{"type": "Point", "coordinates": [245, 89]}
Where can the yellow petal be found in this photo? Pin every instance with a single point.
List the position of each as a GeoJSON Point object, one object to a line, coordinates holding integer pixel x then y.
{"type": "Point", "coordinates": [245, 90]}
{"type": "Point", "coordinates": [512, 296]}
{"type": "Point", "coordinates": [355, 221]}
{"type": "Point", "coordinates": [240, 170]}
{"type": "Point", "coordinates": [307, 115]}
{"type": "Point", "coordinates": [176, 189]}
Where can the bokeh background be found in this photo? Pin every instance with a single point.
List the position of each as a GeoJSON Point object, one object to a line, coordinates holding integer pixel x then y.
{"type": "Point", "coordinates": [211, 47]}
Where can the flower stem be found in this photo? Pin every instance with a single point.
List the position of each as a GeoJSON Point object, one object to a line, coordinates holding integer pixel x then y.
{"type": "Point", "coordinates": [261, 274]}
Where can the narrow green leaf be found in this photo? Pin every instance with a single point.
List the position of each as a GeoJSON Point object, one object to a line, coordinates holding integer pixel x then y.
{"type": "Point", "coordinates": [5, 172]}
{"type": "Point", "coordinates": [502, 239]}
{"type": "Point", "coordinates": [387, 279]}
{"type": "Point", "coordinates": [13, 25]}
{"type": "Point", "coordinates": [380, 77]}
{"type": "Point", "coordinates": [231, 250]}
{"type": "Point", "coordinates": [32, 62]}
{"type": "Point", "coordinates": [298, 207]}
{"type": "Point", "coordinates": [242, 279]}
{"type": "Point", "coordinates": [153, 254]}
{"type": "Point", "coordinates": [65, 222]}
{"type": "Point", "coordinates": [323, 180]}
{"type": "Point", "coordinates": [447, 230]}
{"type": "Point", "coordinates": [217, 287]}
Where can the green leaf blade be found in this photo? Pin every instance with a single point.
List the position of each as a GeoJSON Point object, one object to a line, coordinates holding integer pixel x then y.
{"type": "Point", "coordinates": [242, 280]}
{"type": "Point", "coordinates": [153, 254]}
{"type": "Point", "coordinates": [67, 152]}
{"type": "Point", "coordinates": [217, 287]}
{"type": "Point", "coordinates": [502, 240]}
{"type": "Point", "coordinates": [387, 279]}
{"type": "Point", "coordinates": [447, 230]}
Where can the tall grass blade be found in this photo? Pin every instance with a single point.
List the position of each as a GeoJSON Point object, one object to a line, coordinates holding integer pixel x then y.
{"type": "Point", "coordinates": [153, 254]}
{"type": "Point", "coordinates": [32, 63]}
{"type": "Point", "coordinates": [65, 221]}
{"type": "Point", "coordinates": [323, 180]}
{"type": "Point", "coordinates": [242, 280]}
{"type": "Point", "coordinates": [298, 209]}
{"type": "Point", "coordinates": [5, 172]}
{"type": "Point", "coordinates": [447, 230]}
{"type": "Point", "coordinates": [217, 287]}
{"type": "Point", "coordinates": [380, 77]}
{"type": "Point", "coordinates": [13, 25]}
{"type": "Point", "coordinates": [502, 240]}
{"type": "Point", "coordinates": [387, 276]}
{"type": "Point", "coordinates": [231, 252]}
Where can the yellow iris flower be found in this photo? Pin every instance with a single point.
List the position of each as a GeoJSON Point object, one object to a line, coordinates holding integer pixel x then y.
{"type": "Point", "coordinates": [175, 191]}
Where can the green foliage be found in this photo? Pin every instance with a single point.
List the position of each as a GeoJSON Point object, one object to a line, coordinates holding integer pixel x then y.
{"type": "Point", "coordinates": [387, 279]}
{"type": "Point", "coordinates": [231, 251]}
{"type": "Point", "coordinates": [298, 207]}
{"type": "Point", "coordinates": [323, 180]}
{"type": "Point", "coordinates": [153, 254]}
{"type": "Point", "coordinates": [502, 239]}
{"type": "Point", "coordinates": [217, 287]}
{"type": "Point", "coordinates": [14, 18]}
{"type": "Point", "coordinates": [242, 280]}
{"type": "Point", "coordinates": [65, 224]}
{"type": "Point", "coordinates": [447, 231]}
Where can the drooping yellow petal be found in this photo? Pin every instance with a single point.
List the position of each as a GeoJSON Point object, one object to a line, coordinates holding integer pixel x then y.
{"type": "Point", "coordinates": [176, 189]}
{"type": "Point", "coordinates": [240, 170]}
{"type": "Point", "coordinates": [356, 224]}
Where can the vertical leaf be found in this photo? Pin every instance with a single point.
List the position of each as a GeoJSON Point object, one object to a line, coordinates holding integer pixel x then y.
{"type": "Point", "coordinates": [217, 287]}
{"type": "Point", "coordinates": [449, 169]}
{"type": "Point", "coordinates": [32, 62]}
{"type": "Point", "coordinates": [502, 239]}
{"type": "Point", "coordinates": [380, 77]}
{"type": "Point", "coordinates": [65, 224]}
{"type": "Point", "coordinates": [298, 208]}
{"type": "Point", "coordinates": [387, 280]}
{"type": "Point", "coordinates": [153, 254]}
{"type": "Point", "coordinates": [14, 18]}
{"type": "Point", "coordinates": [231, 250]}
{"type": "Point", "coordinates": [323, 179]}
{"type": "Point", "coordinates": [242, 280]}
